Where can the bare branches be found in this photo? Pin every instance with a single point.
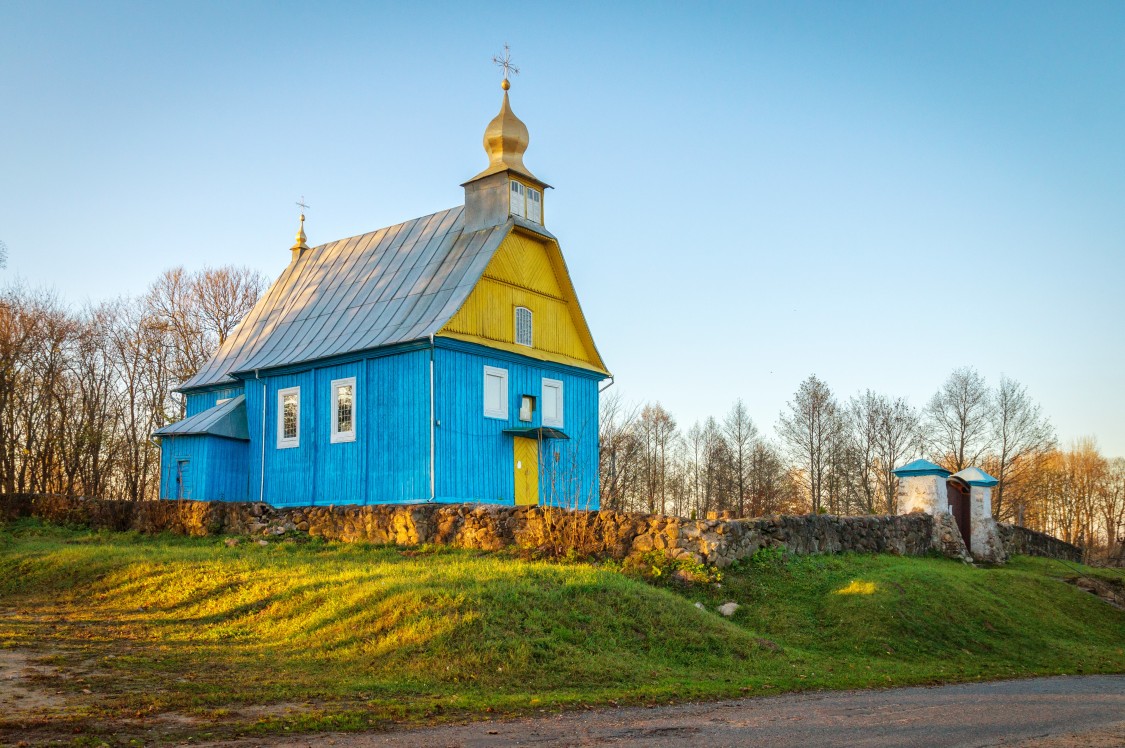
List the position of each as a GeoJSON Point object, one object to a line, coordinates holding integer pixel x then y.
{"type": "Point", "coordinates": [81, 391]}
{"type": "Point", "coordinates": [958, 420]}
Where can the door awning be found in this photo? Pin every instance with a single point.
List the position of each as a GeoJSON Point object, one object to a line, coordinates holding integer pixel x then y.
{"type": "Point", "coordinates": [540, 432]}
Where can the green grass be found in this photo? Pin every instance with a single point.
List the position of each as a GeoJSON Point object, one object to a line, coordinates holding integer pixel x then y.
{"type": "Point", "coordinates": [310, 635]}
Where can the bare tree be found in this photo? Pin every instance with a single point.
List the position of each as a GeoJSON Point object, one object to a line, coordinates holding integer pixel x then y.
{"type": "Point", "coordinates": [770, 486]}
{"type": "Point", "coordinates": [657, 432]}
{"type": "Point", "coordinates": [740, 433]}
{"type": "Point", "coordinates": [809, 430]}
{"type": "Point", "coordinates": [224, 296]}
{"type": "Point", "coordinates": [617, 458]}
{"type": "Point", "coordinates": [1111, 501]}
{"type": "Point", "coordinates": [958, 420]}
{"type": "Point", "coordinates": [1020, 434]}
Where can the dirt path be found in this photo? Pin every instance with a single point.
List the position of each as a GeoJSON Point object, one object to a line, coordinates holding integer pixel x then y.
{"type": "Point", "coordinates": [1035, 713]}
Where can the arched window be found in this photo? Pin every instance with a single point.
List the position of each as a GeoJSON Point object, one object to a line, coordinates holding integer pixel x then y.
{"type": "Point", "coordinates": [523, 326]}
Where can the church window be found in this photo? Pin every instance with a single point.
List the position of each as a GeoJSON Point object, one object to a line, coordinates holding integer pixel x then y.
{"type": "Point", "coordinates": [495, 392]}
{"type": "Point", "coordinates": [552, 403]}
{"type": "Point", "coordinates": [523, 326]}
{"type": "Point", "coordinates": [518, 202]}
{"type": "Point", "coordinates": [343, 410]}
{"type": "Point", "coordinates": [288, 417]}
{"type": "Point", "coordinates": [534, 205]}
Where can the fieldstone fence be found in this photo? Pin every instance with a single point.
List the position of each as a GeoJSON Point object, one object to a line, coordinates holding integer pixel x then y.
{"type": "Point", "coordinates": [490, 527]}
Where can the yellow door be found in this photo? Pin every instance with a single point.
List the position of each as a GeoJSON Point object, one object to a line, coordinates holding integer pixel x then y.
{"type": "Point", "coordinates": [526, 452]}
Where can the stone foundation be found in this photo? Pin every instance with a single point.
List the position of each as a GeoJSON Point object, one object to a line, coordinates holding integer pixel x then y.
{"type": "Point", "coordinates": [490, 527]}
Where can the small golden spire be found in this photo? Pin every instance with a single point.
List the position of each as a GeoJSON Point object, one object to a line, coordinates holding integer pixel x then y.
{"type": "Point", "coordinates": [301, 242]}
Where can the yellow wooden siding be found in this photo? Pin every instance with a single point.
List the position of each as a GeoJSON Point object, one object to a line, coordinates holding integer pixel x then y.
{"type": "Point", "coordinates": [525, 454]}
{"type": "Point", "coordinates": [529, 273]}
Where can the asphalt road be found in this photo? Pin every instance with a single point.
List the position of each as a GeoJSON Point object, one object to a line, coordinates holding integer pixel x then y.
{"type": "Point", "coordinates": [1034, 713]}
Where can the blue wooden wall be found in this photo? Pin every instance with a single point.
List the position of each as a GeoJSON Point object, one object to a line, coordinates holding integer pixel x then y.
{"type": "Point", "coordinates": [202, 400]}
{"type": "Point", "coordinates": [215, 471]}
{"type": "Point", "coordinates": [474, 457]}
{"type": "Point", "coordinates": [388, 461]}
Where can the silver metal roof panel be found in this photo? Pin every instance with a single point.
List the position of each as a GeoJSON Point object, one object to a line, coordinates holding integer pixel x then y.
{"type": "Point", "coordinates": [389, 286]}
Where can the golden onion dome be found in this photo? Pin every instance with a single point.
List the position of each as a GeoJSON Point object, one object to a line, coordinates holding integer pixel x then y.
{"type": "Point", "coordinates": [505, 140]}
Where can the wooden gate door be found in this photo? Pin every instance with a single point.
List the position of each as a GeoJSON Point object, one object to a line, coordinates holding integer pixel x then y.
{"type": "Point", "coordinates": [183, 479]}
{"type": "Point", "coordinates": [526, 459]}
{"type": "Point", "coordinates": [959, 507]}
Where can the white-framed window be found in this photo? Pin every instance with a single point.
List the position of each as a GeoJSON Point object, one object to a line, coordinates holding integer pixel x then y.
{"type": "Point", "coordinates": [495, 392]}
{"type": "Point", "coordinates": [534, 205]}
{"type": "Point", "coordinates": [343, 410]}
{"type": "Point", "coordinates": [222, 400]}
{"type": "Point", "coordinates": [523, 326]}
{"type": "Point", "coordinates": [517, 201]}
{"type": "Point", "coordinates": [289, 417]}
{"type": "Point", "coordinates": [552, 403]}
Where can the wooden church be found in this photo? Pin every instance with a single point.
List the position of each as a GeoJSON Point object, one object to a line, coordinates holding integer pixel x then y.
{"type": "Point", "coordinates": [441, 359]}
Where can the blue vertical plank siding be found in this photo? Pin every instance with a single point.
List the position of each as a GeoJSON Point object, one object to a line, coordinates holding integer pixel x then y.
{"type": "Point", "coordinates": [255, 390]}
{"type": "Point", "coordinates": [175, 449]}
{"type": "Point", "coordinates": [226, 469]}
{"type": "Point", "coordinates": [216, 467]}
{"type": "Point", "coordinates": [389, 461]}
{"type": "Point", "coordinates": [197, 402]}
{"type": "Point", "coordinates": [341, 466]}
{"type": "Point", "coordinates": [290, 472]}
{"type": "Point", "coordinates": [397, 432]}
{"type": "Point", "coordinates": [475, 457]}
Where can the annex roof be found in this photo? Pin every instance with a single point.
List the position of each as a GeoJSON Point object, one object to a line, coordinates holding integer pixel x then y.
{"type": "Point", "coordinates": [225, 419]}
{"type": "Point", "coordinates": [395, 285]}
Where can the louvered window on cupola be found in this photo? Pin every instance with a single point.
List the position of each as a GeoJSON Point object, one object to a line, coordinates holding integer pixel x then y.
{"type": "Point", "coordinates": [534, 205]}
{"type": "Point", "coordinates": [289, 418]}
{"type": "Point", "coordinates": [523, 326]}
{"type": "Point", "coordinates": [518, 202]}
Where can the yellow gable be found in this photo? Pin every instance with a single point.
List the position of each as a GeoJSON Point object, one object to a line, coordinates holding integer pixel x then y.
{"type": "Point", "coordinates": [529, 272]}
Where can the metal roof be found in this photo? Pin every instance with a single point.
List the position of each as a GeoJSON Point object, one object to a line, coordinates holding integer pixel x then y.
{"type": "Point", "coordinates": [921, 467]}
{"type": "Point", "coordinates": [226, 419]}
{"type": "Point", "coordinates": [394, 285]}
{"type": "Point", "coordinates": [974, 476]}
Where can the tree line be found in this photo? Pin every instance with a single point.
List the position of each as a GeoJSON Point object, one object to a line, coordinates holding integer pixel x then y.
{"type": "Point", "coordinates": [82, 389]}
{"type": "Point", "coordinates": [828, 454]}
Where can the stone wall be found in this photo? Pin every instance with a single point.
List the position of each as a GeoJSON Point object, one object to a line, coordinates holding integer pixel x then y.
{"type": "Point", "coordinates": [490, 527]}
{"type": "Point", "coordinates": [1024, 542]}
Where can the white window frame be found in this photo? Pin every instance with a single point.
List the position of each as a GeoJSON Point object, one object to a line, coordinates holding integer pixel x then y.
{"type": "Point", "coordinates": [502, 375]}
{"type": "Point", "coordinates": [515, 187]}
{"type": "Point", "coordinates": [538, 202]}
{"type": "Point", "coordinates": [282, 442]}
{"type": "Point", "coordinates": [530, 327]}
{"type": "Point", "coordinates": [557, 385]}
{"type": "Point", "coordinates": [337, 436]}
{"type": "Point", "coordinates": [222, 400]}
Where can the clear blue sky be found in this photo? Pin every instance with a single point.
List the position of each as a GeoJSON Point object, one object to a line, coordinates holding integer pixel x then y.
{"type": "Point", "coordinates": [746, 193]}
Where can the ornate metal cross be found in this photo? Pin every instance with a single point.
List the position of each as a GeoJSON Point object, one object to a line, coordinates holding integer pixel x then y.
{"type": "Point", "coordinates": [505, 63]}
{"type": "Point", "coordinates": [301, 204]}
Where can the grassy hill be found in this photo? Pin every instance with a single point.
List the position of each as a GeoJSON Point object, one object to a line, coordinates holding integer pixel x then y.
{"type": "Point", "coordinates": [182, 635]}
